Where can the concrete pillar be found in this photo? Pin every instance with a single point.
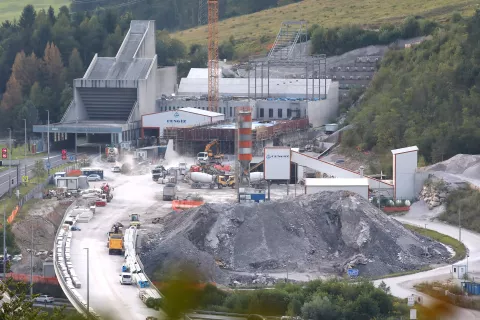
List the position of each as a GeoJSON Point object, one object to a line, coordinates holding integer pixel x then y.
{"type": "Point", "coordinates": [120, 138]}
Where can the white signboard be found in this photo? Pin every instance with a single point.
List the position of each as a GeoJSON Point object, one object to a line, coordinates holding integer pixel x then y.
{"type": "Point", "coordinates": [277, 163]}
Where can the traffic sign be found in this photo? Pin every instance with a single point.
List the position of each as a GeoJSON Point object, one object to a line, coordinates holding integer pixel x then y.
{"type": "Point", "coordinates": [48, 165]}
{"type": "Point", "coordinates": [25, 179]}
{"type": "Point", "coordinates": [72, 158]}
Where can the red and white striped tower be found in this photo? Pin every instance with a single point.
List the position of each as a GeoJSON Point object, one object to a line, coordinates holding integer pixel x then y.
{"type": "Point", "coordinates": [244, 148]}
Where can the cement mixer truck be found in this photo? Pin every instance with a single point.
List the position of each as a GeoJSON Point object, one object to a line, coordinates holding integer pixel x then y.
{"type": "Point", "coordinates": [200, 179]}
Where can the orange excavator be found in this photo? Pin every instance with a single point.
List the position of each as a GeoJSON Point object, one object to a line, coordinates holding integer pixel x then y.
{"type": "Point", "coordinates": [208, 156]}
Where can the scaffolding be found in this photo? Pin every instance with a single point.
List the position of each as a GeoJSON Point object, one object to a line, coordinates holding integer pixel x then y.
{"type": "Point", "coordinates": [312, 67]}
{"type": "Point", "coordinates": [290, 33]}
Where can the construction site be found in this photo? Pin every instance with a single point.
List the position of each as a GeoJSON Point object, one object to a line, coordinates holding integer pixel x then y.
{"type": "Point", "coordinates": [234, 168]}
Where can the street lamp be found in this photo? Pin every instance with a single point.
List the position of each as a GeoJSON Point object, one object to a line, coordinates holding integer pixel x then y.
{"type": "Point", "coordinates": [4, 240]}
{"type": "Point", "coordinates": [31, 264]}
{"type": "Point", "coordinates": [10, 161]}
{"type": "Point", "coordinates": [25, 148]}
{"type": "Point", "coordinates": [48, 142]}
{"type": "Point", "coordinates": [88, 284]}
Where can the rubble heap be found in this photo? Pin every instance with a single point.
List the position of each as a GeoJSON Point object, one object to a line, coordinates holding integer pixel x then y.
{"type": "Point", "coordinates": [326, 232]}
{"type": "Point", "coordinates": [435, 192]}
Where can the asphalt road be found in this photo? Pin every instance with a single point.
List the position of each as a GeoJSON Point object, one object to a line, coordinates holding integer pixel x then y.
{"type": "Point", "coordinates": [132, 194]}
{"type": "Point", "coordinates": [402, 287]}
{"type": "Point", "coordinates": [11, 175]}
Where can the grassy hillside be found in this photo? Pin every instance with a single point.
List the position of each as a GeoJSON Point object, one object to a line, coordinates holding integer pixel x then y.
{"type": "Point", "coordinates": [10, 9]}
{"type": "Point", "coordinates": [249, 29]}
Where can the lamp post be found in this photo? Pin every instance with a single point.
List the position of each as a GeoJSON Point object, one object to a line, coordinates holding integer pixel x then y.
{"type": "Point", "coordinates": [25, 149]}
{"type": "Point", "coordinates": [10, 161]}
{"type": "Point", "coordinates": [48, 142]}
{"type": "Point", "coordinates": [31, 265]}
{"type": "Point", "coordinates": [88, 284]}
{"type": "Point", "coordinates": [4, 240]}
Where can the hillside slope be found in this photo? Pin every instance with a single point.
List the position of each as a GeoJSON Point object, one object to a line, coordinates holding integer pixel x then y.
{"type": "Point", "coordinates": [425, 96]}
{"type": "Point", "coordinates": [249, 29]}
{"type": "Point", "coordinates": [12, 9]}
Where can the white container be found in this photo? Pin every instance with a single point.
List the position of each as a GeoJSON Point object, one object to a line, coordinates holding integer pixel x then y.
{"type": "Point", "coordinates": [201, 177]}
{"type": "Point", "coordinates": [256, 176]}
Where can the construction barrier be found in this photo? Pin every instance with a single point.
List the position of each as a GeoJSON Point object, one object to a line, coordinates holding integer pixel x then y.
{"type": "Point", "coordinates": [35, 279]}
{"type": "Point", "coordinates": [395, 209]}
{"type": "Point", "coordinates": [13, 214]}
{"type": "Point", "coordinates": [179, 205]}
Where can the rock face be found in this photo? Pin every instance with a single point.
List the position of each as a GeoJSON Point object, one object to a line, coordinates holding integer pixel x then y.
{"type": "Point", "coordinates": [435, 192]}
{"type": "Point", "coordinates": [325, 232]}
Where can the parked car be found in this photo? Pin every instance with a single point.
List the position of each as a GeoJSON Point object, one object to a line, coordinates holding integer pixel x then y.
{"type": "Point", "coordinates": [75, 228]}
{"type": "Point", "coordinates": [44, 299]}
{"type": "Point", "coordinates": [116, 169]}
{"type": "Point", "coordinates": [94, 177]}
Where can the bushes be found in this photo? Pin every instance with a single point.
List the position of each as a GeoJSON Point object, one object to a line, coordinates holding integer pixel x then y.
{"type": "Point", "coordinates": [335, 41]}
{"type": "Point", "coordinates": [466, 203]}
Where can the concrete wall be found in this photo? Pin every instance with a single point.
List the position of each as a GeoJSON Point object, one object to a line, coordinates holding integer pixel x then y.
{"type": "Point", "coordinates": [147, 46]}
{"type": "Point", "coordinates": [225, 107]}
{"type": "Point", "coordinates": [360, 190]}
{"type": "Point", "coordinates": [404, 169]}
{"type": "Point", "coordinates": [77, 110]}
{"type": "Point", "coordinates": [279, 105]}
{"type": "Point", "coordinates": [166, 81]}
{"type": "Point", "coordinates": [323, 111]}
{"type": "Point", "coordinates": [146, 91]}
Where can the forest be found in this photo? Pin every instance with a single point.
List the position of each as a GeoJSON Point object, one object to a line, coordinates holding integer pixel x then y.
{"type": "Point", "coordinates": [426, 95]}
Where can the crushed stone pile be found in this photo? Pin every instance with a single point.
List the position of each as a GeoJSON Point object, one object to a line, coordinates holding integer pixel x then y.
{"type": "Point", "coordinates": [464, 164]}
{"type": "Point", "coordinates": [325, 232]}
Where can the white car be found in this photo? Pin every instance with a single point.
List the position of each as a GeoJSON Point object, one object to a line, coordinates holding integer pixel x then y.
{"type": "Point", "coordinates": [44, 299]}
{"type": "Point", "coordinates": [94, 177]}
{"type": "Point", "coordinates": [116, 169]}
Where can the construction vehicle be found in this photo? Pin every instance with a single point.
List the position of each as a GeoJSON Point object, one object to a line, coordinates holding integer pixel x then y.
{"type": "Point", "coordinates": [107, 192]}
{"type": "Point", "coordinates": [158, 172]}
{"type": "Point", "coordinates": [201, 179]}
{"type": "Point", "coordinates": [112, 154]}
{"type": "Point", "coordinates": [208, 156]}
{"type": "Point", "coordinates": [169, 191]}
{"type": "Point", "coordinates": [115, 241]}
{"type": "Point", "coordinates": [135, 220]}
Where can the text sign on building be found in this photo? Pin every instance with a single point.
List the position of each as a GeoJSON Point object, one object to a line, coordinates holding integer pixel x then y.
{"type": "Point", "coordinates": [277, 163]}
{"type": "Point", "coordinates": [177, 119]}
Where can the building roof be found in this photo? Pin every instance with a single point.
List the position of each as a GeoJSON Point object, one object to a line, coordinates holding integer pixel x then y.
{"type": "Point", "coordinates": [201, 112]}
{"type": "Point", "coordinates": [336, 182]}
{"type": "Point", "coordinates": [233, 125]}
{"type": "Point", "coordinates": [239, 87]}
{"type": "Point", "coordinates": [404, 150]}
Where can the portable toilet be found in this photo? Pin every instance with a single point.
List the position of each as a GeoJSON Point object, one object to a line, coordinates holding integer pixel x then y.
{"type": "Point", "coordinates": [459, 271]}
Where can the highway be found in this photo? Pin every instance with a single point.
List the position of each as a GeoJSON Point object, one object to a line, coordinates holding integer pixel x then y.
{"type": "Point", "coordinates": [132, 194]}
{"type": "Point", "coordinates": [402, 287]}
{"type": "Point", "coordinates": [55, 160]}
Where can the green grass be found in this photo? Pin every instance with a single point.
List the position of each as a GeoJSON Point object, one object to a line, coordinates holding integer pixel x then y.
{"type": "Point", "coordinates": [18, 153]}
{"type": "Point", "coordinates": [10, 9]}
{"type": "Point", "coordinates": [248, 29]}
{"type": "Point", "coordinates": [457, 246]}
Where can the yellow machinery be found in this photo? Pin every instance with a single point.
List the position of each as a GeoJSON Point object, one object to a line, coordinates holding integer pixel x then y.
{"type": "Point", "coordinates": [135, 220]}
{"type": "Point", "coordinates": [115, 241]}
{"type": "Point", "coordinates": [208, 149]}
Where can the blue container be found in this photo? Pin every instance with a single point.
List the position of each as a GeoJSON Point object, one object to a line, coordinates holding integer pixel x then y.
{"type": "Point", "coordinates": [472, 288]}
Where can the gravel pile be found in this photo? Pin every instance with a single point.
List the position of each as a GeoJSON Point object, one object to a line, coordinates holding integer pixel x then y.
{"type": "Point", "coordinates": [325, 232]}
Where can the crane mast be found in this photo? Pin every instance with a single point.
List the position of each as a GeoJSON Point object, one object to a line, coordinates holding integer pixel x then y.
{"type": "Point", "coordinates": [213, 74]}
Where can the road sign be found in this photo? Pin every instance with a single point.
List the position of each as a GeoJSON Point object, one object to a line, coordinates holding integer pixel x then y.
{"type": "Point", "coordinates": [25, 179]}
{"type": "Point", "coordinates": [72, 158]}
{"type": "Point", "coordinates": [48, 165]}
{"type": "Point", "coordinates": [352, 272]}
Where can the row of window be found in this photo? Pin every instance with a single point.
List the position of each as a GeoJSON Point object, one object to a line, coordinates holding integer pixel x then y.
{"type": "Point", "coordinates": [279, 113]}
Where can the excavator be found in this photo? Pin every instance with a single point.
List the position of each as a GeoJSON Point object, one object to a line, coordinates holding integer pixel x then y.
{"type": "Point", "coordinates": [208, 156]}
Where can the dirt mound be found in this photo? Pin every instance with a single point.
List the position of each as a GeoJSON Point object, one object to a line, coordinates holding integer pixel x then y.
{"type": "Point", "coordinates": [325, 232]}
{"type": "Point", "coordinates": [466, 164]}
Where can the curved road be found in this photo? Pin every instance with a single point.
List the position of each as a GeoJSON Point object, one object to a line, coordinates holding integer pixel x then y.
{"type": "Point", "coordinates": [132, 194]}
{"type": "Point", "coordinates": [402, 287]}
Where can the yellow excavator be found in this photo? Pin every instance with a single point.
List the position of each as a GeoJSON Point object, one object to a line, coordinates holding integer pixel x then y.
{"type": "Point", "coordinates": [208, 156]}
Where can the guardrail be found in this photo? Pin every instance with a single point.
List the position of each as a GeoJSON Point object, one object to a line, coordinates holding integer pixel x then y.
{"type": "Point", "coordinates": [61, 261]}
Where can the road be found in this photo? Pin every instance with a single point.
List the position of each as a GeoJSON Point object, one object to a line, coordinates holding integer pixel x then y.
{"type": "Point", "coordinates": [5, 176]}
{"type": "Point", "coordinates": [402, 287]}
{"type": "Point", "coordinates": [132, 194]}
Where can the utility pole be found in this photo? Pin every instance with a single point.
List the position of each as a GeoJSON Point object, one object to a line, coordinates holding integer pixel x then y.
{"type": "Point", "coordinates": [10, 161]}
{"type": "Point", "coordinates": [48, 142]}
{"type": "Point", "coordinates": [4, 241]}
{"type": "Point", "coordinates": [88, 285]}
{"type": "Point", "coordinates": [25, 147]}
{"type": "Point", "coordinates": [76, 137]}
{"type": "Point", "coordinates": [31, 265]}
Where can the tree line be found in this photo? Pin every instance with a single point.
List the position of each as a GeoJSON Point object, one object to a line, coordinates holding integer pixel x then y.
{"type": "Point", "coordinates": [426, 95]}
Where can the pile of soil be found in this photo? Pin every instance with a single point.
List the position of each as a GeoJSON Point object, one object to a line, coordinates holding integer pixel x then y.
{"type": "Point", "coordinates": [326, 232]}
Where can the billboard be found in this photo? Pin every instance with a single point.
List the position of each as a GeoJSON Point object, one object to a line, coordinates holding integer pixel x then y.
{"type": "Point", "coordinates": [276, 163]}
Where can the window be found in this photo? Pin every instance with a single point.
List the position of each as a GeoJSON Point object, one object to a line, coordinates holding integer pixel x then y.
{"type": "Point", "coordinates": [270, 113]}
{"type": "Point", "coordinates": [169, 107]}
{"type": "Point", "coordinates": [280, 113]}
{"type": "Point", "coordinates": [262, 113]}
{"type": "Point", "coordinates": [289, 113]}
{"type": "Point", "coordinates": [231, 112]}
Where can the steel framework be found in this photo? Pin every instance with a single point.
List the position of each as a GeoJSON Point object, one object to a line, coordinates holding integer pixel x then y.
{"type": "Point", "coordinates": [311, 67]}
{"type": "Point", "coordinates": [213, 74]}
{"type": "Point", "coordinates": [290, 33]}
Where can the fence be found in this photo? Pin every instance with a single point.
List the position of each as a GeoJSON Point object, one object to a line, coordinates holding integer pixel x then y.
{"type": "Point", "coordinates": [35, 279]}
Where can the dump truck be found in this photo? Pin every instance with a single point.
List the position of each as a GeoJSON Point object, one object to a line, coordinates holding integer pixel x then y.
{"type": "Point", "coordinates": [115, 241]}
{"type": "Point", "coordinates": [158, 172]}
{"type": "Point", "coordinates": [169, 191]}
